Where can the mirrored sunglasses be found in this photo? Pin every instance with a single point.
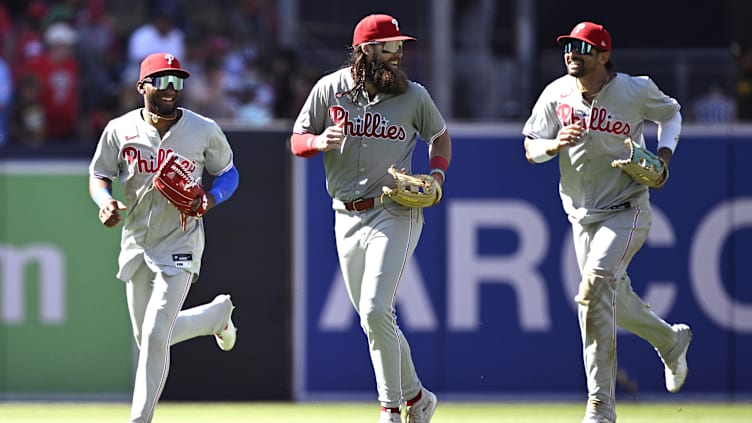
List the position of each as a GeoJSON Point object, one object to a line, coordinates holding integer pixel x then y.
{"type": "Point", "coordinates": [164, 81]}
{"type": "Point", "coordinates": [390, 46]}
{"type": "Point", "coordinates": [580, 47]}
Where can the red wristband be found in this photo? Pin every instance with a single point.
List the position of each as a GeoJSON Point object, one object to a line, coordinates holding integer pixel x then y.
{"type": "Point", "coordinates": [438, 162]}
{"type": "Point", "coordinates": [439, 166]}
{"type": "Point", "coordinates": [302, 145]}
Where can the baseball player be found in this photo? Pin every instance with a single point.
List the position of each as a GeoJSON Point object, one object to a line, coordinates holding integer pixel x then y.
{"type": "Point", "coordinates": [158, 258]}
{"type": "Point", "coordinates": [584, 118]}
{"type": "Point", "coordinates": [365, 117]}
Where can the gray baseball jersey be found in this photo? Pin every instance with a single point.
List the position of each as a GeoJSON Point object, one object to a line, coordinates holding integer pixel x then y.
{"type": "Point", "coordinates": [131, 150]}
{"type": "Point", "coordinates": [589, 184]}
{"type": "Point", "coordinates": [378, 133]}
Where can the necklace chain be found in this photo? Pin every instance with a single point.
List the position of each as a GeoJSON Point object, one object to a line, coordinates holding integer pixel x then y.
{"type": "Point", "coordinates": [155, 117]}
{"type": "Point", "coordinates": [589, 94]}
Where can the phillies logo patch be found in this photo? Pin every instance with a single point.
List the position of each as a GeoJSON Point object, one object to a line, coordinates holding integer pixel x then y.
{"type": "Point", "coordinates": [169, 58]}
{"type": "Point", "coordinates": [371, 125]}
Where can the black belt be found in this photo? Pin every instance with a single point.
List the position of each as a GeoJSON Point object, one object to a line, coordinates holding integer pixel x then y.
{"type": "Point", "coordinates": [361, 205]}
{"type": "Point", "coordinates": [625, 205]}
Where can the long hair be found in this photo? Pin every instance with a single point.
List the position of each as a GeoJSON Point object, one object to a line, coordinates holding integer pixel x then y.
{"type": "Point", "coordinates": [357, 63]}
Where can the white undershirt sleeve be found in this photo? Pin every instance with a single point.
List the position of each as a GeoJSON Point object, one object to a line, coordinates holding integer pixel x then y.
{"type": "Point", "coordinates": [669, 131]}
{"type": "Point", "coordinates": [536, 148]}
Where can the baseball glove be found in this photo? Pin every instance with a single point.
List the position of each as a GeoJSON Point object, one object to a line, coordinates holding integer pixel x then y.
{"type": "Point", "coordinates": [175, 182]}
{"type": "Point", "coordinates": [413, 190]}
{"type": "Point", "coordinates": [643, 166]}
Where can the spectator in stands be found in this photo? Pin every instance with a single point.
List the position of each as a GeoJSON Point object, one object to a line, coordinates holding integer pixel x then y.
{"type": "Point", "coordinates": [28, 43]}
{"type": "Point", "coordinates": [714, 106]}
{"type": "Point", "coordinates": [208, 94]}
{"type": "Point", "coordinates": [58, 73]}
{"type": "Point", "coordinates": [253, 109]}
{"type": "Point", "coordinates": [160, 33]}
{"type": "Point", "coordinates": [27, 121]}
{"type": "Point", "coordinates": [100, 57]}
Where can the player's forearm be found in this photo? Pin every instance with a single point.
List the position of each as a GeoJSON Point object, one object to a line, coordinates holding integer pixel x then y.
{"type": "Point", "coordinates": [540, 150]}
{"type": "Point", "coordinates": [303, 145]}
{"type": "Point", "coordinates": [100, 190]}
{"type": "Point", "coordinates": [440, 155]}
{"type": "Point", "coordinates": [223, 187]}
{"type": "Point", "coordinates": [669, 131]}
{"type": "Point", "coordinates": [441, 147]}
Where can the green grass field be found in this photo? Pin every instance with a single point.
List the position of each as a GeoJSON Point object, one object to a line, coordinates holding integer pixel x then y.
{"type": "Point", "coordinates": [173, 412]}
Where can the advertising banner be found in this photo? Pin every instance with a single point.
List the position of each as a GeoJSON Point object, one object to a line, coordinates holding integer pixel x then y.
{"type": "Point", "coordinates": [64, 327]}
{"type": "Point", "coordinates": [487, 301]}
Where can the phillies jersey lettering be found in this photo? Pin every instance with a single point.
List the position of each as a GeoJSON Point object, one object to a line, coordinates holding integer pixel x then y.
{"type": "Point", "coordinates": [152, 164]}
{"type": "Point", "coordinates": [601, 120]}
{"type": "Point", "coordinates": [597, 119]}
{"type": "Point", "coordinates": [372, 125]}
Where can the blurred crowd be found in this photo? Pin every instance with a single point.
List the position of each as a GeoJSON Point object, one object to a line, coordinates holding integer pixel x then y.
{"type": "Point", "coordinates": [68, 66]}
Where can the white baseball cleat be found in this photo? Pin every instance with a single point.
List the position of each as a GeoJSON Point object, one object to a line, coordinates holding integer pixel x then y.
{"type": "Point", "coordinates": [422, 411]}
{"type": "Point", "coordinates": [227, 337]}
{"type": "Point", "coordinates": [596, 419]}
{"type": "Point", "coordinates": [675, 368]}
{"type": "Point", "coordinates": [389, 417]}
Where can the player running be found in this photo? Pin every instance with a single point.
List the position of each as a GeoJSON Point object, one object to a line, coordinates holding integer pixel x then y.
{"type": "Point", "coordinates": [159, 259]}
{"type": "Point", "coordinates": [584, 118]}
{"type": "Point", "coordinates": [366, 117]}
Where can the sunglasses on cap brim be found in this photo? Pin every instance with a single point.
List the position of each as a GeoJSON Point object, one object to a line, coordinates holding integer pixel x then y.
{"type": "Point", "coordinates": [389, 46]}
{"type": "Point", "coordinates": [164, 81]}
{"type": "Point", "coordinates": [579, 46]}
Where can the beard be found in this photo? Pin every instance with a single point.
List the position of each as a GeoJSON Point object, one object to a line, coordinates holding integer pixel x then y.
{"type": "Point", "coordinates": [158, 107]}
{"type": "Point", "coordinates": [577, 71]}
{"type": "Point", "coordinates": [388, 79]}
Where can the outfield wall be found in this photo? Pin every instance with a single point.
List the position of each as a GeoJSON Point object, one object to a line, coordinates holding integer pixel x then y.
{"type": "Point", "coordinates": [489, 291]}
{"type": "Point", "coordinates": [487, 303]}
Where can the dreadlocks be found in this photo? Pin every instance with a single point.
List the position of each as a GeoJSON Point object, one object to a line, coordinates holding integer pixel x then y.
{"type": "Point", "coordinates": [387, 79]}
{"type": "Point", "coordinates": [357, 63]}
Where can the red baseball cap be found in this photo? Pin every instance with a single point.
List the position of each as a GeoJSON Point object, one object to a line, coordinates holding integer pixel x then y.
{"type": "Point", "coordinates": [161, 62]}
{"type": "Point", "coordinates": [590, 33]}
{"type": "Point", "coordinates": [378, 28]}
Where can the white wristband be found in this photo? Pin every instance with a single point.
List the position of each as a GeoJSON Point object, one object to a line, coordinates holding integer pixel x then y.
{"type": "Point", "coordinates": [101, 195]}
{"type": "Point", "coordinates": [440, 172]}
{"type": "Point", "coordinates": [536, 149]}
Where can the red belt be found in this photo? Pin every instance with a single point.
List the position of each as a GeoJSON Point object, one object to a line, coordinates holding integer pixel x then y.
{"type": "Point", "coordinates": [361, 205]}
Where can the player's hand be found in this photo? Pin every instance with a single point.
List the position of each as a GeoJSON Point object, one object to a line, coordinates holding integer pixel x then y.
{"type": "Point", "coordinates": [331, 139]}
{"type": "Point", "coordinates": [665, 155]}
{"type": "Point", "coordinates": [109, 213]}
{"type": "Point", "coordinates": [568, 136]}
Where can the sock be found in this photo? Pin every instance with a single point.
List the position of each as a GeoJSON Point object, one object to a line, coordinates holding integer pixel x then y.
{"type": "Point", "coordinates": [390, 410]}
{"type": "Point", "coordinates": [416, 399]}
